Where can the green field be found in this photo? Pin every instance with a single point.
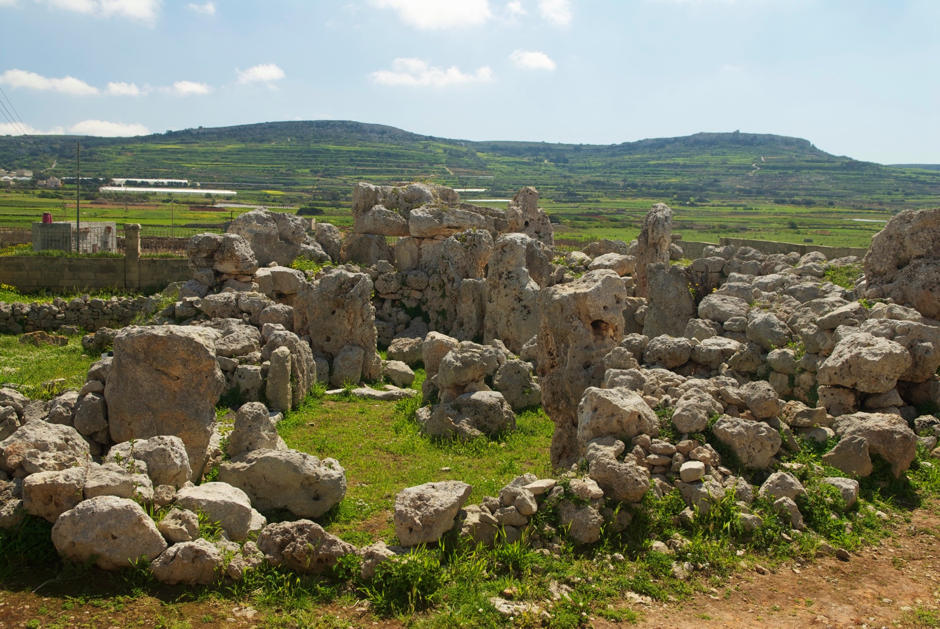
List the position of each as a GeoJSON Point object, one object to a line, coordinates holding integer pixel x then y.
{"type": "Point", "coordinates": [719, 184]}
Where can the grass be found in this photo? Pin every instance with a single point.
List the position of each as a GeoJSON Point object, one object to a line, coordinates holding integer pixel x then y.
{"type": "Point", "coordinates": [397, 455]}
{"type": "Point", "coordinates": [32, 367]}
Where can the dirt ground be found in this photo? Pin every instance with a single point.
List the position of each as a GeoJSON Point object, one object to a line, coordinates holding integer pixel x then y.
{"type": "Point", "coordinates": [894, 584]}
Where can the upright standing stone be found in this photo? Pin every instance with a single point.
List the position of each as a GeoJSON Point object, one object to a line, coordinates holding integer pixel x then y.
{"type": "Point", "coordinates": [581, 321]}
{"type": "Point", "coordinates": [278, 387]}
{"type": "Point", "coordinates": [652, 244]}
{"type": "Point", "coordinates": [165, 380]}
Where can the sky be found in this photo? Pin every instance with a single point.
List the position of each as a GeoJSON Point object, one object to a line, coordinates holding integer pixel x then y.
{"type": "Point", "coordinates": [855, 77]}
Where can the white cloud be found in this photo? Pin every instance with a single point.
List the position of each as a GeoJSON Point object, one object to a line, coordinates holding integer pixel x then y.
{"type": "Point", "coordinates": [532, 60]}
{"type": "Point", "coordinates": [412, 72]}
{"type": "Point", "coordinates": [190, 88]}
{"type": "Point", "coordinates": [100, 128]}
{"type": "Point", "coordinates": [7, 3]}
{"type": "Point", "coordinates": [207, 8]}
{"type": "Point", "coordinates": [515, 8]}
{"type": "Point", "coordinates": [33, 81]}
{"type": "Point", "coordinates": [435, 14]}
{"type": "Point", "coordinates": [144, 10]}
{"type": "Point", "coordinates": [105, 129]}
{"type": "Point", "coordinates": [556, 11]}
{"type": "Point", "coordinates": [261, 73]}
{"type": "Point", "coordinates": [120, 88]}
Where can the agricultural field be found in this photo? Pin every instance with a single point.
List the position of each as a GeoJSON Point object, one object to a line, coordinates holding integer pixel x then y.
{"type": "Point", "coordinates": [613, 218]}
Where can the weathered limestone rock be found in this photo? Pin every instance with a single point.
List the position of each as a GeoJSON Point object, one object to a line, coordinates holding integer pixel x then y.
{"type": "Point", "coordinates": [381, 221]}
{"type": "Point", "coordinates": [38, 446]}
{"type": "Point", "coordinates": [652, 244]}
{"type": "Point", "coordinates": [336, 311]}
{"type": "Point", "coordinates": [254, 430]}
{"type": "Point", "coordinates": [196, 562]}
{"type": "Point", "coordinates": [851, 456]}
{"type": "Point", "coordinates": [302, 545]}
{"type": "Point", "coordinates": [425, 512]}
{"type": "Point", "coordinates": [761, 399]}
{"type": "Point", "coordinates": [621, 480]}
{"type": "Point", "coordinates": [754, 443]}
{"type": "Point", "coordinates": [511, 294]}
{"type": "Point", "coordinates": [165, 457]}
{"type": "Point", "coordinates": [49, 494]}
{"type": "Point", "coordinates": [213, 256]}
{"type": "Point", "coordinates": [617, 413]}
{"type": "Point", "coordinates": [276, 236]}
{"type": "Point", "coordinates": [719, 307]}
{"type": "Point", "coordinates": [887, 435]}
{"type": "Point", "coordinates": [179, 525]}
{"type": "Point", "coordinates": [301, 483]}
{"type": "Point", "coordinates": [165, 381]}
{"type": "Point", "coordinates": [112, 479]}
{"type": "Point", "coordinates": [668, 351]}
{"type": "Point", "coordinates": [693, 410]}
{"type": "Point", "coordinates": [670, 303]}
{"type": "Point", "coordinates": [864, 362]}
{"type": "Point", "coordinates": [524, 215]}
{"type": "Point", "coordinates": [398, 373]}
{"type": "Point", "coordinates": [514, 380]}
{"type": "Point", "coordinates": [903, 262]}
{"type": "Point", "coordinates": [471, 415]}
{"type": "Point", "coordinates": [848, 489]}
{"type": "Point", "coordinates": [765, 329]}
{"type": "Point", "coordinates": [780, 484]}
{"type": "Point", "coordinates": [225, 504]}
{"type": "Point", "coordinates": [580, 322]}
{"type": "Point", "coordinates": [112, 532]}
{"type": "Point", "coordinates": [278, 389]}
{"type": "Point", "coordinates": [304, 370]}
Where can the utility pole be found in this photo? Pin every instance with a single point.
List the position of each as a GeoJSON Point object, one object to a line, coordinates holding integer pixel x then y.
{"type": "Point", "coordinates": [78, 195]}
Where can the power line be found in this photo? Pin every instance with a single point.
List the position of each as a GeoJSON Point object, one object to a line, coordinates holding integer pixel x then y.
{"type": "Point", "coordinates": [15, 119]}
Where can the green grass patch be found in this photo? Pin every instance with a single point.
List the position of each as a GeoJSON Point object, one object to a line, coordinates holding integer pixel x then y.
{"type": "Point", "coordinates": [31, 367]}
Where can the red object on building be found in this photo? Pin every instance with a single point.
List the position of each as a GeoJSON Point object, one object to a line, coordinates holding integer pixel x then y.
{"type": "Point", "coordinates": [47, 217]}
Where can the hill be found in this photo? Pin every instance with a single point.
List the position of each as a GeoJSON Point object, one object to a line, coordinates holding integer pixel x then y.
{"type": "Point", "coordinates": [322, 159]}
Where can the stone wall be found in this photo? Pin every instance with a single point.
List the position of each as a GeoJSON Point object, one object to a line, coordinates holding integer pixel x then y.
{"type": "Point", "coordinates": [34, 273]}
{"type": "Point", "coordinates": [770, 246]}
{"type": "Point", "coordinates": [86, 313]}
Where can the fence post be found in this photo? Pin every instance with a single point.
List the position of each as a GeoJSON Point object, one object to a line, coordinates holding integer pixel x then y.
{"type": "Point", "coordinates": [131, 256]}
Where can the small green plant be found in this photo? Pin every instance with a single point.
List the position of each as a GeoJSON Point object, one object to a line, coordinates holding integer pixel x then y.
{"type": "Point", "coordinates": [406, 585]}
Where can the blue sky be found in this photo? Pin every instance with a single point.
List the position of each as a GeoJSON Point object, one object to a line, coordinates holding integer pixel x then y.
{"type": "Point", "coordinates": [855, 77]}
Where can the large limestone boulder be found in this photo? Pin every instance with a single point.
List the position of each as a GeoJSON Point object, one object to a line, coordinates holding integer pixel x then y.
{"type": "Point", "coordinates": [424, 513]}
{"type": "Point", "coordinates": [225, 504]}
{"type": "Point", "coordinates": [38, 446]}
{"type": "Point", "coordinates": [754, 443]}
{"type": "Point", "coordinates": [514, 380]}
{"type": "Point", "coordinates": [621, 480]}
{"type": "Point", "coordinates": [111, 532]}
{"type": "Point", "coordinates": [50, 494]}
{"type": "Point", "coordinates": [302, 546]}
{"type": "Point", "coordinates": [165, 381]}
{"type": "Point", "coordinates": [336, 311]}
{"type": "Point", "coordinates": [693, 411]}
{"type": "Point", "coordinates": [381, 221]}
{"type": "Point", "coordinates": [652, 244]}
{"type": "Point", "coordinates": [220, 255]}
{"type": "Point", "coordinates": [511, 294]}
{"type": "Point", "coordinates": [276, 236]}
{"type": "Point", "coordinates": [720, 307]}
{"type": "Point", "coordinates": [668, 351]}
{"type": "Point", "coordinates": [581, 321]}
{"type": "Point", "coordinates": [192, 563]}
{"type": "Point", "coordinates": [864, 362]}
{"type": "Point", "coordinates": [617, 413]}
{"type": "Point", "coordinates": [903, 261]}
{"type": "Point", "coordinates": [165, 457]}
{"type": "Point", "coordinates": [471, 415]}
{"type": "Point", "coordinates": [670, 306]}
{"type": "Point", "coordinates": [888, 436]}
{"type": "Point", "coordinates": [301, 483]}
